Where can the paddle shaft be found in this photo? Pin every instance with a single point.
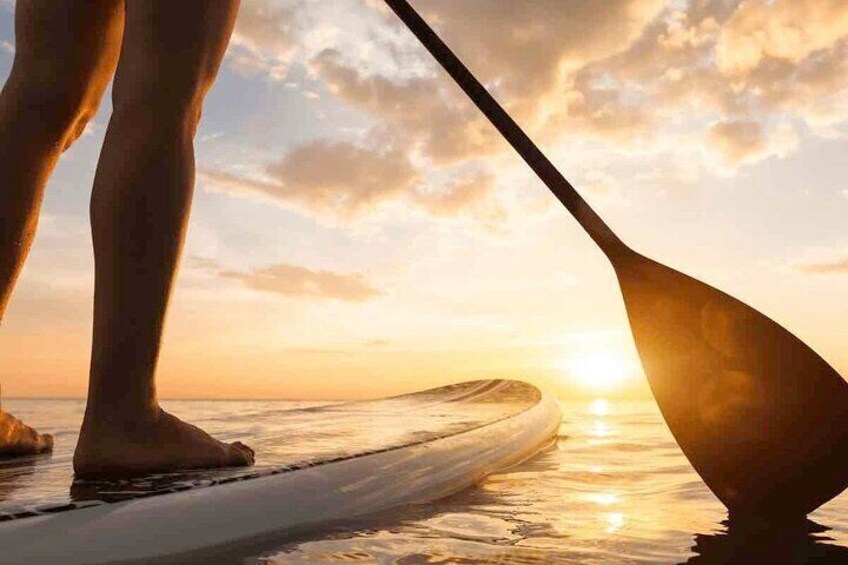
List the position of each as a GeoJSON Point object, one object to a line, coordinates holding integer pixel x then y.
{"type": "Point", "coordinates": [510, 130]}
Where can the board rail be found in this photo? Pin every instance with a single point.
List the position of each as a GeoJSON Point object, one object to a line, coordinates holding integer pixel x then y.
{"type": "Point", "coordinates": [256, 504]}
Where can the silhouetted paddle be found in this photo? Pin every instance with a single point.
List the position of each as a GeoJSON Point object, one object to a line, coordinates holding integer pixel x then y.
{"type": "Point", "coordinates": [761, 416]}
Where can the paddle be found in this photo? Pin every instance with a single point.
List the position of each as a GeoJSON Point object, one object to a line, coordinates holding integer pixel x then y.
{"type": "Point", "coordinates": [762, 418]}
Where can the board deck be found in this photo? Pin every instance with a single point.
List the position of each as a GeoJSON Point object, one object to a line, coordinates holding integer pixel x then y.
{"type": "Point", "coordinates": [337, 460]}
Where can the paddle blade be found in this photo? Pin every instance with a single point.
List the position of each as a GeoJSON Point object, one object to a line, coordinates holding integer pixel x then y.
{"type": "Point", "coordinates": [761, 417]}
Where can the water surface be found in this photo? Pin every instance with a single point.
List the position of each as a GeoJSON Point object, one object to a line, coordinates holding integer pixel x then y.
{"type": "Point", "coordinates": [615, 489]}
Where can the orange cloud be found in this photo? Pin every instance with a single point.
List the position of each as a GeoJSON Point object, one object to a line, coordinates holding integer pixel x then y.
{"type": "Point", "coordinates": [729, 62]}
{"type": "Point", "coordinates": [234, 184]}
{"type": "Point", "coordinates": [530, 47]}
{"type": "Point", "coordinates": [745, 140]}
{"type": "Point", "coordinates": [623, 70]}
{"type": "Point", "coordinates": [788, 30]}
{"type": "Point", "coordinates": [839, 266]}
{"type": "Point", "coordinates": [342, 180]}
{"type": "Point", "coordinates": [291, 280]}
{"type": "Point", "coordinates": [264, 40]}
{"type": "Point", "coordinates": [466, 195]}
{"type": "Point", "coordinates": [417, 111]}
{"type": "Point", "coordinates": [531, 55]}
{"type": "Point", "coordinates": [336, 178]}
{"type": "Point", "coordinates": [341, 177]}
{"type": "Point", "coordinates": [737, 139]}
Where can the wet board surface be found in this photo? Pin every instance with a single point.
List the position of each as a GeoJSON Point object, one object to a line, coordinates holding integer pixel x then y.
{"type": "Point", "coordinates": [342, 459]}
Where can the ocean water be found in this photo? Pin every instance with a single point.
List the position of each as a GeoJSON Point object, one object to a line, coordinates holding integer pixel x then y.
{"type": "Point", "coordinates": [614, 489]}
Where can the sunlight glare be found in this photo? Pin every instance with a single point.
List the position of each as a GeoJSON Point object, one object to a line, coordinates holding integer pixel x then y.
{"type": "Point", "coordinates": [615, 521]}
{"type": "Point", "coordinates": [599, 407]}
{"type": "Point", "coordinates": [600, 370]}
{"type": "Point", "coordinates": [602, 498]}
{"type": "Point", "coordinates": [600, 429]}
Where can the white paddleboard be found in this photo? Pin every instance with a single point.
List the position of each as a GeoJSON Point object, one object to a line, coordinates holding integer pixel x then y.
{"type": "Point", "coordinates": [320, 465]}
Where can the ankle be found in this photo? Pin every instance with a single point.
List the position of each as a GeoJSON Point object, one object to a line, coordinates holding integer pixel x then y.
{"type": "Point", "coordinates": [116, 419]}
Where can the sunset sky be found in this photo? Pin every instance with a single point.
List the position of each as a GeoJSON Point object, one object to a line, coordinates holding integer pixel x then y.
{"type": "Point", "coordinates": [359, 229]}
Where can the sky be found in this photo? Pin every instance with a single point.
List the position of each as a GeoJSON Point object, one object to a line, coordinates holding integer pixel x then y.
{"type": "Point", "coordinates": [359, 229]}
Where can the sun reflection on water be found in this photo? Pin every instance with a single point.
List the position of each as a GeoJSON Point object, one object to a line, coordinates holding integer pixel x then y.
{"type": "Point", "coordinates": [602, 498]}
{"type": "Point", "coordinates": [617, 489]}
{"type": "Point", "coordinates": [615, 521]}
{"type": "Point", "coordinates": [601, 429]}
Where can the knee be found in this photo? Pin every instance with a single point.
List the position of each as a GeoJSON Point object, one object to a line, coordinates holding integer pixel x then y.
{"type": "Point", "coordinates": [159, 106]}
{"type": "Point", "coordinates": [52, 103]}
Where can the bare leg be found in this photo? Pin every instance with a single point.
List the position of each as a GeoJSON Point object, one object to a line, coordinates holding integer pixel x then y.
{"type": "Point", "coordinates": [64, 58]}
{"type": "Point", "coordinates": [142, 194]}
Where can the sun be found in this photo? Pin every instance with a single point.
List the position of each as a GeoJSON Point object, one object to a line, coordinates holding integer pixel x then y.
{"type": "Point", "coordinates": [599, 370]}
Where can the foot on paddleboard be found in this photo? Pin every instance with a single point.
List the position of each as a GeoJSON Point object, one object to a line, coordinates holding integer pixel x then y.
{"type": "Point", "coordinates": [16, 438]}
{"type": "Point", "coordinates": [162, 444]}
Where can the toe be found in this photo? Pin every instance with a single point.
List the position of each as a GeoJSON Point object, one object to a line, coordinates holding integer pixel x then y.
{"type": "Point", "coordinates": [245, 447]}
{"type": "Point", "coordinates": [242, 455]}
{"type": "Point", "coordinates": [46, 443]}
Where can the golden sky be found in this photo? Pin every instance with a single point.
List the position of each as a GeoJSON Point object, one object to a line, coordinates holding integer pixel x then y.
{"type": "Point", "coordinates": [360, 230]}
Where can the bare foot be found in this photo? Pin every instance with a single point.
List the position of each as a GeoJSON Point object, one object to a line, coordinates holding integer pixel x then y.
{"type": "Point", "coordinates": [161, 443]}
{"type": "Point", "coordinates": [16, 438]}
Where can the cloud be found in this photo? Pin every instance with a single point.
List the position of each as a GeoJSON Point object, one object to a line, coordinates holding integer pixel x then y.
{"type": "Point", "coordinates": [740, 141]}
{"type": "Point", "coordinates": [838, 266]}
{"type": "Point", "coordinates": [470, 195]}
{"type": "Point", "coordinates": [737, 140]}
{"type": "Point", "coordinates": [271, 36]}
{"type": "Point", "coordinates": [530, 55]}
{"type": "Point", "coordinates": [658, 81]}
{"type": "Point", "coordinates": [417, 112]}
{"type": "Point", "coordinates": [235, 184]}
{"type": "Point", "coordinates": [530, 48]}
{"type": "Point", "coordinates": [343, 181]}
{"type": "Point", "coordinates": [760, 31]}
{"type": "Point", "coordinates": [332, 178]}
{"type": "Point", "coordinates": [264, 39]}
{"type": "Point", "coordinates": [644, 71]}
{"type": "Point", "coordinates": [606, 188]}
{"type": "Point", "coordinates": [199, 263]}
{"type": "Point", "coordinates": [341, 177]}
{"type": "Point", "coordinates": [291, 280]}
{"type": "Point", "coordinates": [702, 63]}
{"type": "Point", "coordinates": [596, 103]}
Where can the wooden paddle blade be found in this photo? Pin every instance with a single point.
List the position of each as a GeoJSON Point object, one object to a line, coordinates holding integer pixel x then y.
{"type": "Point", "coordinates": [761, 416]}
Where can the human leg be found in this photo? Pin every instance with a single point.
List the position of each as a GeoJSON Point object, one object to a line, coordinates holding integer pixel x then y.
{"type": "Point", "coordinates": [65, 54]}
{"type": "Point", "coordinates": [140, 205]}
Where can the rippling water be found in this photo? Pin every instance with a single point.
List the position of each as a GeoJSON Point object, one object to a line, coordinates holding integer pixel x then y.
{"type": "Point", "coordinates": [615, 489]}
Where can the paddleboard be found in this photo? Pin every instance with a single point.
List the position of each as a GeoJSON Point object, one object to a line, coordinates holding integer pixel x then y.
{"type": "Point", "coordinates": [315, 466]}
